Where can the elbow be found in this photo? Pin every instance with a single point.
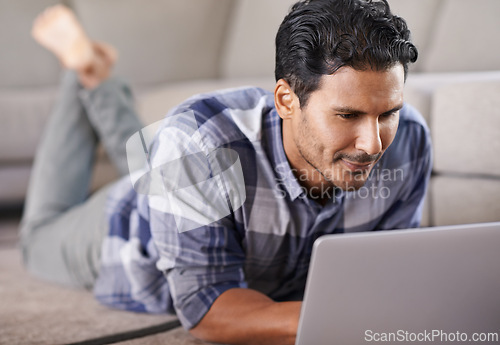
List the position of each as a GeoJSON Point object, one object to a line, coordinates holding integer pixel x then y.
{"type": "Point", "coordinates": [201, 331]}
{"type": "Point", "coordinates": [214, 333]}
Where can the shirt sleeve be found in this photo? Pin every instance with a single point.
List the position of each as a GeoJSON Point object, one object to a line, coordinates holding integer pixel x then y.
{"type": "Point", "coordinates": [200, 264]}
{"type": "Point", "coordinates": [192, 189]}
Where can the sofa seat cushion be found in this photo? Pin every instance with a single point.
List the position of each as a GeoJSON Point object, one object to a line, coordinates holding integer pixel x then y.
{"type": "Point", "coordinates": [154, 103]}
{"type": "Point", "coordinates": [420, 87]}
{"type": "Point", "coordinates": [24, 113]}
{"type": "Point", "coordinates": [14, 184]}
{"type": "Point", "coordinates": [463, 200]}
{"type": "Point", "coordinates": [466, 128]}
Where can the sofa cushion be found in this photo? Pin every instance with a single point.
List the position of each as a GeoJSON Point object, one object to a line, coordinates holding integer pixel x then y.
{"type": "Point", "coordinates": [24, 112]}
{"type": "Point", "coordinates": [462, 200]}
{"type": "Point", "coordinates": [14, 184]}
{"type": "Point", "coordinates": [22, 61]}
{"type": "Point", "coordinates": [465, 37]}
{"type": "Point", "coordinates": [9, 224]}
{"type": "Point", "coordinates": [420, 87]}
{"type": "Point", "coordinates": [426, 213]}
{"type": "Point", "coordinates": [421, 17]}
{"type": "Point", "coordinates": [466, 128]}
{"type": "Point", "coordinates": [249, 49]}
{"type": "Point", "coordinates": [159, 40]}
{"type": "Point", "coordinates": [154, 104]}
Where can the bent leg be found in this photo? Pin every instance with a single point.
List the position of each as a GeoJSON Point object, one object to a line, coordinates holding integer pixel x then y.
{"type": "Point", "coordinates": [62, 229]}
{"type": "Point", "coordinates": [110, 110]}
{"type": "Point", "coordinates": [59, 180]}
{"type": "Point", "coordinates": [66, 250]}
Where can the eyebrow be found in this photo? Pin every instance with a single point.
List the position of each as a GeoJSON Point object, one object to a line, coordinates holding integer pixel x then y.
{"type": "Point", "coordinates": [349, 110]}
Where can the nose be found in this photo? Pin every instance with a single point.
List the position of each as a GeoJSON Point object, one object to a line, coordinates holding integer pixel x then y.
{"type": "Point", "coordinates": [368, 138]}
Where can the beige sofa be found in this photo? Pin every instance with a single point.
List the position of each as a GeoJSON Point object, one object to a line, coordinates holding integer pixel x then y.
{"type": "Point", "coordinates": [172, 49]}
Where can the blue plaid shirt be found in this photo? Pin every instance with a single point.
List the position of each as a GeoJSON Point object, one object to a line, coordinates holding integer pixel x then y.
{"type": "Point", "coordinates": [148, 265]}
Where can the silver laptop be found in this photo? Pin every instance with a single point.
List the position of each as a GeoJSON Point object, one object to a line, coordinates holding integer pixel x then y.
{"type": "Point", "coordinates": [422, 285]}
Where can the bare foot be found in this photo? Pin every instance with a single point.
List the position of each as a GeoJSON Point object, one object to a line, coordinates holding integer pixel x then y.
{"type": "Point", "coordinates": [58, 30]}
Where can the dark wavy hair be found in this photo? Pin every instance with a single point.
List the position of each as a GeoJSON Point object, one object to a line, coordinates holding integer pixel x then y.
{"type": "Point", "coordinates": [318, 37]}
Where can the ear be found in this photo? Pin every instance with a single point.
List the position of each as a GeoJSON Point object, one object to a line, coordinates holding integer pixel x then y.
{"type": "Point", "coordinates": [285, 100]}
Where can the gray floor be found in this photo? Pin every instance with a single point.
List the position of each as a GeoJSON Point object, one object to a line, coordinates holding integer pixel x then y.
{"type": "Point", "coordinates": [35, 312]}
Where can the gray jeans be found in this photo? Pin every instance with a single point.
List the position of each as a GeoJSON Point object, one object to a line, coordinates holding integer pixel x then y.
{"type": "Point", "coordinates": [62, 227]}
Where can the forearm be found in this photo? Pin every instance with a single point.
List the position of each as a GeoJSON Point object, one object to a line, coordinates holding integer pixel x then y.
{"type": "Point", "coordinates": [244, 316]}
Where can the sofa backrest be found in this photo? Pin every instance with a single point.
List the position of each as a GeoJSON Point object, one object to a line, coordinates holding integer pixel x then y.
{"type": "Point", "coordinates": [159, 40]}
{"type": "Point", "coordinates": [23, 62]}
{"type": "Point", "coordinates": [451, 35]}
{"type": "Point", "coordinates": [421, 17]}
{"type": "Point", "coordinates": [466, 37]}
{"type": "Point", "coordinates": [249, 47]}
{"type": "Point", "coordinates": [465, 125]}
{"type": "Point", "coordinates": [169, 40]}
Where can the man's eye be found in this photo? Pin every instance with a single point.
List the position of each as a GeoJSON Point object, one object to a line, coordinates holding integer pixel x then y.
{"type": "Point", "coordinates": [389, 115]}
{"type": "Point", "coordinates": [347, 116]}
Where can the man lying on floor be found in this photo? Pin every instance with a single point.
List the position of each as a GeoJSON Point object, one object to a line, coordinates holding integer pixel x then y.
{"type": "Point", "coordinates": [219, 225]}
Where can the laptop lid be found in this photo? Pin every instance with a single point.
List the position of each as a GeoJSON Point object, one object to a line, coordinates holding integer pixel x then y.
{"type": "Point", "coordinates": [396, 286]}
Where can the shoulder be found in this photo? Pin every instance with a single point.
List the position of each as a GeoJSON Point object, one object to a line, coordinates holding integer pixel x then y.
{"type": "Point", "coordinates": [409, 116]}
{"type": "Point", "coordinates": [228, 115]}
{"type": "Point", "coordinates": [412, 141]}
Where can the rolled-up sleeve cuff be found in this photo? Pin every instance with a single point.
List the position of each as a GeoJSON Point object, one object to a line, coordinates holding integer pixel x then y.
{"type": "Point", "coordinates": [198, 305]}
{"type": "Point", "coordinates": [193, 291]}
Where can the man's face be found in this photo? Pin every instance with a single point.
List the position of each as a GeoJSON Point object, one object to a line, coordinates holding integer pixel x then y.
{"type": "Point", "coordinates": [346, 126]}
